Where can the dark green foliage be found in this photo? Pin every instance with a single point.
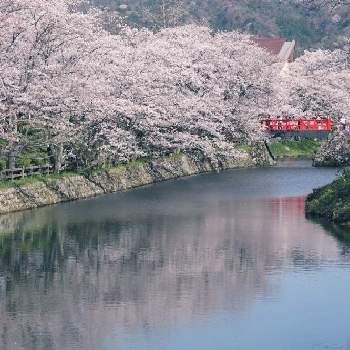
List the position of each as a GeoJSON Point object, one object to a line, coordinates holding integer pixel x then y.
{"type": "Point", "coordinates": [299, 29]}
{"type": "Point", "coordinates": [28, 157]}
{"type": "Point", "coordinates": [3, 164]}
{"type": "Point", "coordinates": [3, 143]}
{"type": "Point", "coordinates": [332, 201]}
{"type": "Point", "coordinates": [32, 157]}
{"type": "Point", "coordinates": [310, 27]}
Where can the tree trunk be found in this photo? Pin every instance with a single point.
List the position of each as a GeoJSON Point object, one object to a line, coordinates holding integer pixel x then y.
{"type": "Point", "coordinates": [56, 156]}
{"type": "Point", "coordinates": [59, 157]}
{"type": "Point", "coordinates": [12, 159]}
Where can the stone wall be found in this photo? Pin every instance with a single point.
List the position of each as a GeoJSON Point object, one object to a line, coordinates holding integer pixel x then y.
{"type": "Point", "coordinates": [121, 178]}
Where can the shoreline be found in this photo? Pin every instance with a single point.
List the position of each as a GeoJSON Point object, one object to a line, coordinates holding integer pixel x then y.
{"type": "Point", "coordinates": [331, 203]}
{"type": "Point", "coordinates": [122, 178]}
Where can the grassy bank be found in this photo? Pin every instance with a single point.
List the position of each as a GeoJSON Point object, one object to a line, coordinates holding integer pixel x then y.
{"type": "Point", "coordinates": [295, 149]}
{"type": "Point", "coordinates": [34, 179]}
{"type": "Point", "coordinates": [52, 177]}
{"type": "Point", "coordinates": [332, 202]}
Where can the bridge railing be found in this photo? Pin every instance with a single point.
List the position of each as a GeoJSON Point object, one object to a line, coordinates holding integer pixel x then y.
{"type": "Point", "coordinates": [281, 125]}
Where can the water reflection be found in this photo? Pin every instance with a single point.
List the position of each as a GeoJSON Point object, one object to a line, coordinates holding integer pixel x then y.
{"type": "Point", "coordinates": [75, 274]}
{"type": "Point", "coordinates": [340, 232]}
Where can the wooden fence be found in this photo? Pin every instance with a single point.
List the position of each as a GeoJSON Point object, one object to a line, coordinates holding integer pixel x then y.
{"type": "Point", "coordinates": [20, 173]}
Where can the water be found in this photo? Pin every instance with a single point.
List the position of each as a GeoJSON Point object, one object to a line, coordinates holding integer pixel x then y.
{"type": "Point", "coordinates": [217, 261]}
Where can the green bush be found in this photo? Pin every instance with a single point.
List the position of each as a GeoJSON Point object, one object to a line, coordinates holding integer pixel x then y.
{"type": "Point", "coordinates": [342, 214]}
{"type": "Point", "coordinates": [332, 201]}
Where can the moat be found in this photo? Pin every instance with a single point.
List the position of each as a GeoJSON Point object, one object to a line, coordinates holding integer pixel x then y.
{"type": "Point", "coordinates": [216, 261]}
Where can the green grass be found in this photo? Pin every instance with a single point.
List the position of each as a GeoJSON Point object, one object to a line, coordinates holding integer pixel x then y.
{"type": "Point", "coordinates": [243, 147]}
{"type": "Point", "coordinates": [295, 149]}
{"type": "Point", "coordinates": [34, 179]}
{"type": "Point", "coordinates": [121, 167]}
{"type": "Point", "coordinates": [175, 156]}
{"type": "Point", "coordinates": [137, 162]}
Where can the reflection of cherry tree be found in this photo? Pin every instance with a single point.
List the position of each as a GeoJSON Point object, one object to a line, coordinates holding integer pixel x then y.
{"type": "Point", "coordinates": [332, 4]}
{"type": "Point", "coordinates": [117, 267]}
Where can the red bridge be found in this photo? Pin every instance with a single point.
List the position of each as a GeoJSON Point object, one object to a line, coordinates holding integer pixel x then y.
{"type": "Point", "coordinates": [287, 125]}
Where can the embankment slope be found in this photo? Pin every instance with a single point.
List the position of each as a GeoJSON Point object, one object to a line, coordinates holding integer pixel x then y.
{"type": "Point", "coordinates": [121, 178]}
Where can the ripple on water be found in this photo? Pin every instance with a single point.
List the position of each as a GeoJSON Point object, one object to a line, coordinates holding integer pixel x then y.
{"type": "Point", "coordinates": [217, 261]}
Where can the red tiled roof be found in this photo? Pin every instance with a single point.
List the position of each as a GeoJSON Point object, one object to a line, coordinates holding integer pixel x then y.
{"type": "Point", "coordinates": [272, 45]}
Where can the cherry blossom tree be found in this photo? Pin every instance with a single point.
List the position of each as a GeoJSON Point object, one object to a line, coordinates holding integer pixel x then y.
{"type": "Point", "coordinates": [67, 83]}
{"type": "Point", "coordinates": [53, 71]}
{"type": "Point", "coordinates": [197, 90]}
{"type": "Point", "coordinates": [318, 84]}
